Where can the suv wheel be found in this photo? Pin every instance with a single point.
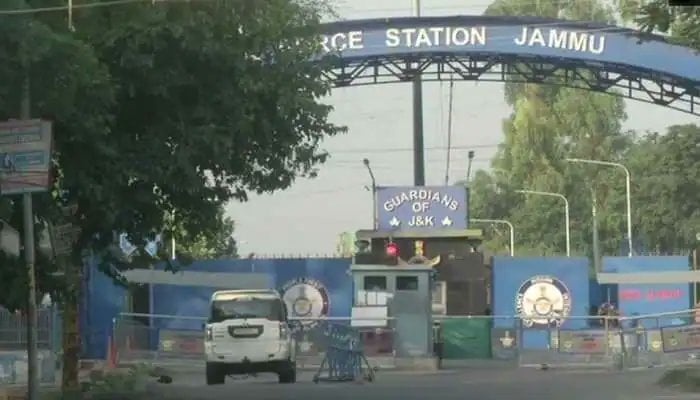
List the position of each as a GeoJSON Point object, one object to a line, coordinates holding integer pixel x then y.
{"type": "Point", "coordinates": [214, 374]}
{"type": "Point", "coordinates": [288, 373]}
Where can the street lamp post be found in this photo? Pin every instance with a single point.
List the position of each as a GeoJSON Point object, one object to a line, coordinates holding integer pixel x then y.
{"type": "Point", "coordinates": [627, 189]}
{"type": "Point", "coordinates": [566, 213]}
{"type": "Point", "coordinates": [375, 217]}
{"type": "Point", "coordinates": [504, 222]}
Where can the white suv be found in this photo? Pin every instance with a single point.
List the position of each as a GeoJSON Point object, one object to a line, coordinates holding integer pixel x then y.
{"type": "Point", "coordinates": [247, 333]}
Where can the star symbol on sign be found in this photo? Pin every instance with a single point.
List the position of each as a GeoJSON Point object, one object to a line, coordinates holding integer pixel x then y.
{"type": "Point", "coordinates": [394, 221]}
{"type": "Point", "coordinates": [507, 340]}
{"type": "Point", "coordinates": [446, 221]}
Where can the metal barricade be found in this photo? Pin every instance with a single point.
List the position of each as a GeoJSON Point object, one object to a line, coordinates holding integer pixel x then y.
{"type": "Point", "coordinates": [601, 342]}
{"type": "Point", "coordinates": [344, 359]}
{"type": "Point", "coordinates": [312, 344]}
{"type": "Point", "coordinates": [172, 340]}
{"type": "Point", "coordinates": [13, 346]}
{"type": "Point", "coordinates": [168, 339]}
{"type": "Point", "coordinates": [13, 329]}
{"type": "Point", "coordinates": [513, 341]}
{"type": "Point", "coordinates": [583, 341]}
{"type": "Point", "coordinates": [662, 339]}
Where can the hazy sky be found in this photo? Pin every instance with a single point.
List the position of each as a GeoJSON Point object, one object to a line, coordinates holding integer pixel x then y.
{"type": "Point", "coordinates": [308, 217]}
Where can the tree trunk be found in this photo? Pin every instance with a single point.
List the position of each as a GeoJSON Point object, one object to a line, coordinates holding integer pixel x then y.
{"type": "Point", "coordinates": [71, 330]}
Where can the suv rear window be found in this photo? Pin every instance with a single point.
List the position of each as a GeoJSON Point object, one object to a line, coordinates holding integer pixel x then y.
{"type": "Point", "coordinates": [247, 307]}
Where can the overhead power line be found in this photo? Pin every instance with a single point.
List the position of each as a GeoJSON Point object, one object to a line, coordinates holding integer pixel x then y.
{"type": "Point", "coordinates": [406, 149]}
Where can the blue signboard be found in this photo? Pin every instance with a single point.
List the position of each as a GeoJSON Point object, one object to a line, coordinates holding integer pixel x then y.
{"type": "Point", "coordinates": [639, 299]}
{"type": "Point", "coordinates": [401, 208]}
{"type": "Point", "coordinates": [544, 291]}
{"type": "Point", "coordinates": [25, 156]}
{"type": "Point", "coordinates": [509, 35]}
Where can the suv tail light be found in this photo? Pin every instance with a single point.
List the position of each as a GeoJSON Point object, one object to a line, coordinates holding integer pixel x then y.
{"type": "Point", "coordinates": [209, 334]}
{"type": "Point", "coordinates": [284, 331]}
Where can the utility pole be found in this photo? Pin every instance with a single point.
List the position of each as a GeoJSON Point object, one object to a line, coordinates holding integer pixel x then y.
{"type": "Point", "coordinates": [418, 142]}
{"type": "Point", "coordinates": [375, 216]}
{"type": "Point", "coordinates": [449, 132]}
{"type": "Point", "coordinates": [28, 218]}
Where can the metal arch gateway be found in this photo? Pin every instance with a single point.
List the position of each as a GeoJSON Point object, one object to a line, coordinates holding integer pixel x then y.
{"type": "Point", "coordinates": [583, 55]}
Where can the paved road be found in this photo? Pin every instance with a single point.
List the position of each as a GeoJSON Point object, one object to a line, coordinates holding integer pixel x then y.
{"type": "Point", "coordinates": [477, 384]}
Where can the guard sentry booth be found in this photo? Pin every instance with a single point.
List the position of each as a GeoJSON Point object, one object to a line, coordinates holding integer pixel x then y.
{"type": "Point", "coordinates": [404, 293]}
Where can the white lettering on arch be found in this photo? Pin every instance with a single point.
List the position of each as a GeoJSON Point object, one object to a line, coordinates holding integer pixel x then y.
{"type": "Point", "coordinates": [340, 41]}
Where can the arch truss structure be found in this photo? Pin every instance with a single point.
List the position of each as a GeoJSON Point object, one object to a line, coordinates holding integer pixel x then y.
{"type": "Point", "coordinates": [582, 55]}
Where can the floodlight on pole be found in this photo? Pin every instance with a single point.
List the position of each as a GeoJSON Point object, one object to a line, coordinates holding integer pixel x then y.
{"type": "Point", "coordinates": [504, 222]}
{"type": "Point", "coordinates": [627, 190]}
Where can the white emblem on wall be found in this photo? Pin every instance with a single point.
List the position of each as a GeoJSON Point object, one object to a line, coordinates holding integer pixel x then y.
{"type": "Point", "coordinates": [306, 298]}
{"type": "Point", "coordinates": [543, 301]}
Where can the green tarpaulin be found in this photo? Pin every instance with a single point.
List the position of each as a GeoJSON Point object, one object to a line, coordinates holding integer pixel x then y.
{"type": "Point", "coordinates": [466, 338]}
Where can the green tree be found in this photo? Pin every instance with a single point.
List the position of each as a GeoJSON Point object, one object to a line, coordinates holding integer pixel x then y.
{"type": "Point", "coordinates": [215, 243]}
{"type": "Point", "coordinates": [548, 124]}
{"type": "Point", "coordinates": [658, 16]}
{"type": "Point", "coordinates": [667, 188]}
{"type": "Point", "coordinates": [345, 246]}
{"type": "Point", "coordinates": [158, 107]}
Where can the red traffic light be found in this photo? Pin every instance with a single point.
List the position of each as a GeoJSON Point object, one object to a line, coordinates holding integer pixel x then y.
{"type": "Point", "coordinates": [392, 250]}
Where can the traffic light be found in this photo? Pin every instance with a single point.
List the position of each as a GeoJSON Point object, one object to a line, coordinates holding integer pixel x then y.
{"type": "Point", "coordinates": [392, 249]}
{"type": "Point", "coordinates": [391, 253]}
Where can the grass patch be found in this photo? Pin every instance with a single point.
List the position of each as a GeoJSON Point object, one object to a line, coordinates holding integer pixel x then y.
{"type": "Point", "coordinates": [686, 379]}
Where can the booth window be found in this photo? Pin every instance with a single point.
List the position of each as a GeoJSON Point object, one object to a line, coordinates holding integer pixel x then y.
{"type": "Point", "coordinates": [375, 283]}
{"type": "Point", "coordinates": [406, 283]}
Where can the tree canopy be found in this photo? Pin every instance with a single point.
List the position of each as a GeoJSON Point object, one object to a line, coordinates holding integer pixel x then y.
{"type": "Point", "coordinates": [657, 16]}
{"type": "Point", "coordinates": [167, 108]}
{"type": "Point", "coordinates": [216, 243]}
{"type": "Point", "coordinates": [549, 124]}
{"type": "Point", "coordinates": [162, 112]}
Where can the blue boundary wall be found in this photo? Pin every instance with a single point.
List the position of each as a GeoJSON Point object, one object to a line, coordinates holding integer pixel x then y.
{"type": "Point", "coordinates": [511, 276]}
{"type": "Point", "coordinates": [328, 275]}
{"type": "Point", "coordinates": [638, 299]}
{"type": "Point", "coordinates": [102, 301]}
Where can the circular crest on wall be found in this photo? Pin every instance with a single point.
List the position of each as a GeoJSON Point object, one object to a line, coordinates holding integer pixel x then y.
{"type": "Point", "coordinates": [543, 300]}
{"type": "Point", "coordinates": [306, 298]}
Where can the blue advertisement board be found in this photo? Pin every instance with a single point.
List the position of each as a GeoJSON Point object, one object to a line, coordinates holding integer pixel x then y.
{"type": "Point", "coordinates": [405, 208]}
{"type": "Point", "coordinates": [638, 299]}
{"type": "Point", "coordinates": [545, 291]}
